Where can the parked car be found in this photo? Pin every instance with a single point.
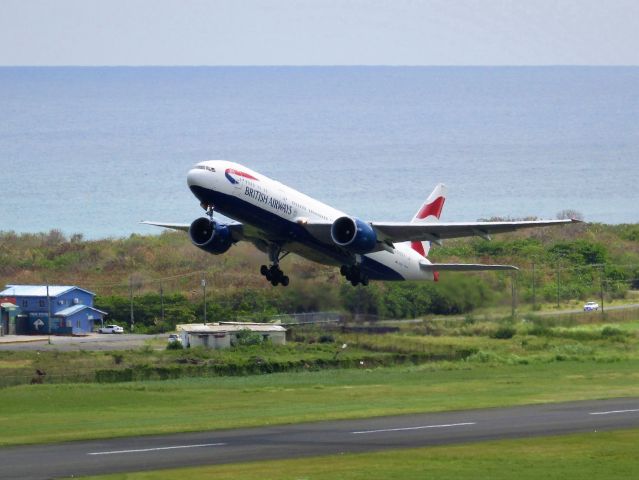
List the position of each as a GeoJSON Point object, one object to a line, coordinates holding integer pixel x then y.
{"type": "Point", "coordinates": [174, 338]}
{"type": "Point", "coordinates": [111, 329]}
{"type": "Point", "coordinates": [591, 306]}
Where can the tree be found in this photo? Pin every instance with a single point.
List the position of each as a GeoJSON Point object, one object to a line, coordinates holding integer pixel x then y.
{"type": "Point", "coordinates": [570, 214]}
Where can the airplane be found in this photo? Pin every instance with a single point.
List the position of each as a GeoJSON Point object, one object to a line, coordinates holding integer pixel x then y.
{"type": "Point", "coordinates": [279, 220]}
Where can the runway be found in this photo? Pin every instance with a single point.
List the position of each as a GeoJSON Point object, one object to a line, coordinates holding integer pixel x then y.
{"type": "Point", "coordinates": [311, 439]}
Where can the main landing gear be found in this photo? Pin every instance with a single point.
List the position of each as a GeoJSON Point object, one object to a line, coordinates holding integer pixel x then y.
{"type": "Point", "coordinates": [353, 274]}
{"type": "Point", "coordinates": [273, 273]}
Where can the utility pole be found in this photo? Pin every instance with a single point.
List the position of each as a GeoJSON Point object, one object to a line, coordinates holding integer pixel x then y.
{"type": "Point", "coordinates": [49, 312]}
{"type": "Point", "coordinates": [204, 296]}
{"type": "Point", "coordinates": [534, 299]}
{"type": "Point", "coordinates": [132, 319]}
{"type": "Point", "coordinates": [601, 287]}
{"type": "Point", "coordinates": [162, 301]}
{"type": "Point", "coordinates": [513, 293]}
{"type": "Point", "coordinates": [557, 277]}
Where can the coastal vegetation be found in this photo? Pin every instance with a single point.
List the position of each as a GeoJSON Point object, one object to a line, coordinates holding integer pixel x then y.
{"type": "Point", "coordinates": [161, 276]}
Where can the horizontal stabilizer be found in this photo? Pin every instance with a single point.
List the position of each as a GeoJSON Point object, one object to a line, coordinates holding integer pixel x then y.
{"type": "Point", "coordinates": [462, 267]}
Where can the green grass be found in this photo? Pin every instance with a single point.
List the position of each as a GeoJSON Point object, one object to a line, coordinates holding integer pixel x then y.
{"type": "Point", "coordinates": [534, 340]}
{"type": "Point", "coordinates": [594, 456]}
{"type": "Point", "coordinates": [19, 367]}
{"type": "Point", "coordinates": [49, 413]}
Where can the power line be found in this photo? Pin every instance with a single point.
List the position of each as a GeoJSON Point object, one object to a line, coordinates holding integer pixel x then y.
{"type": "Point", "coordinates": [125, 283]}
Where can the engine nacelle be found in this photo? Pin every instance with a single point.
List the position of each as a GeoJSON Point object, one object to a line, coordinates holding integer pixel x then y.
{"type": "Point", "coordinates": [354, 235]}
{"type": "Point", "coordinates": [210, 236]}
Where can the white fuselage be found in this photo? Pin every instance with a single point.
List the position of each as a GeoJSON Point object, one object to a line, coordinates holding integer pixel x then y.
{"type": "Point", "coordinates": [274, 209]}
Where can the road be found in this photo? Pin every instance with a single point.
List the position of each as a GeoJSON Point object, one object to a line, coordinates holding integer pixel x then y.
{"type": "Point", "coordinates": [493, 316]}
{"type": "Point", "coordinates": [607, 308]}
{"type": "Point", "coordinates": [92, 341]}
{"type": "Point", "coordinates": [310, 439]}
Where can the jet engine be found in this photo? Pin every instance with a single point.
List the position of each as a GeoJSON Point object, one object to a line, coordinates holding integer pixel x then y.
{"type": "Point", "coordinates": [354, 234]}
{"type": "Point", "coordinates": [210, 236]}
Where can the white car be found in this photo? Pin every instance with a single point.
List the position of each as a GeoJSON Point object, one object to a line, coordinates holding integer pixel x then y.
{"type": "Point", "coordinates": [591, 306]}
{"type": "Point", "coordinates": [111, 329]}
{"type": "Point", "coordinates": [174, 338]}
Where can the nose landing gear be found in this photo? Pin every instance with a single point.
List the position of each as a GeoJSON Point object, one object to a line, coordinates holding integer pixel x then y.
{"type": "Point", "coordinates": [209, 208]}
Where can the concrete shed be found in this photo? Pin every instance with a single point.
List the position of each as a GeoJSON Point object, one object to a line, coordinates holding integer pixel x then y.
{"type": "Point", "coordinates": [224, 334]}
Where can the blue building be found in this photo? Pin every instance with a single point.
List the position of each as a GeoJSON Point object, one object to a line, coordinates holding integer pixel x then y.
{"type": "Point", "coordinates": [72, 311]}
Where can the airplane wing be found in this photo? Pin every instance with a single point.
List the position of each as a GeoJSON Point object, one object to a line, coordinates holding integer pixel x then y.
{"type": "Point", "coordinates": [175, 226]}
{"type": "Point", "coordinates": [392, 232]}
{"type": "Point", "coordinates": [237, 229]}
{"type": "Point", "coordinates": [435, 232]}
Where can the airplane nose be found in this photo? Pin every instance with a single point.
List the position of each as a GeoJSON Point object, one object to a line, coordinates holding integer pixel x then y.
{"type": "Point", "coordinates": [196, 177]}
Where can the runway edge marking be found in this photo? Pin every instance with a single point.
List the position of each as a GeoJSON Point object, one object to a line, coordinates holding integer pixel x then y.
{"type": "Point", "coordinates": [175, 447]}
{"type": "Point", "coordinates": [615, 411]}
{"type": "Point", "coordinates": [422, 427]}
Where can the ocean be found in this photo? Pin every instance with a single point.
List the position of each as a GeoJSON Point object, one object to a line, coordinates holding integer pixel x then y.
{"type": "Point", "coordinates": [96, 150]}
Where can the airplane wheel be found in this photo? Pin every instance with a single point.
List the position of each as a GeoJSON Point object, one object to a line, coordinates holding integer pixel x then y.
{"type": "Point", "coordinates": [364, 280]}
{"type": "Point", "coordinates": [264, 270]}
{"type": "Point", "coordinates": [343, 270]}
{"type": "Point", "coordinates": [354, 282]}
{"type": "Point", "coordinates": [285, 281]}
{"type": "Point", "coordinates": [274, 282]}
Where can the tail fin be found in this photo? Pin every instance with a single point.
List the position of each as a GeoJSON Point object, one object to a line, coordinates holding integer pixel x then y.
{"type": "Point", "coordinates": [430, 211]}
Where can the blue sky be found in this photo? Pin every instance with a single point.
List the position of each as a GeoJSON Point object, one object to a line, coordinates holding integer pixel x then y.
{"type": "Point", "coordinates": [319, 32]}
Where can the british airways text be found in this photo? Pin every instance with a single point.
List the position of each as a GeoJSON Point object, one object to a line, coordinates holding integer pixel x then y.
{"type": "Point", "coordinates": [270, 201]}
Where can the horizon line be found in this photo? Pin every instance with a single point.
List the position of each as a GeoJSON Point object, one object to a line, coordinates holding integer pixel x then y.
{"type": "Point", "coordinates": [371, 65]}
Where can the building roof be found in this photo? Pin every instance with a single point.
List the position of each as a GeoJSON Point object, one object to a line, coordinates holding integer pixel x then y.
{"type": "Point", "coordinates": [229, 327]}
{"type": "Point", "coordinates": [67, 312]}
{"type": "Point", "coordinates": [38, 290]}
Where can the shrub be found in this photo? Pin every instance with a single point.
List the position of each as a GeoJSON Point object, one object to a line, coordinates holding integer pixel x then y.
{"type": "Point", "coordinates": [247, 337]}
{"type": "Point", "coordinates": [540, 331]}
{"type": "Point", "coordinates": [469, 320]}
{"type": "Point", "coordinates": [504, 333]}
{"type": "Point", "coordinates": [608, 332]}
{"type": "Point", "coordinates": [484, 357]}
